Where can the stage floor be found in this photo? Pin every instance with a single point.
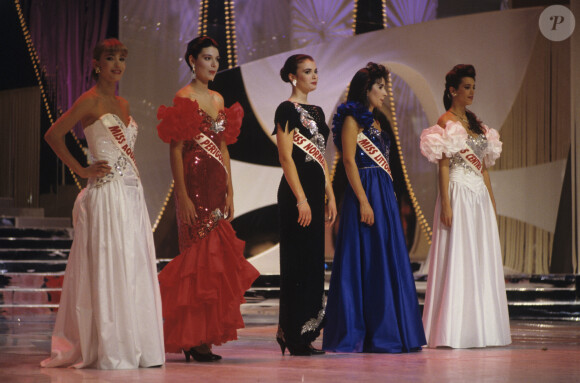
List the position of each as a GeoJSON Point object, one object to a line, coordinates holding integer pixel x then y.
{"type": "Point", "coordinates": [542, 351]}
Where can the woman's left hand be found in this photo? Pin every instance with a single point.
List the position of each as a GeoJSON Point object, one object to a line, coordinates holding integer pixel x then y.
{"type": "Point", "coordinates": [330, 213]}
{"type": "Point", "coordinates": [229, 210]}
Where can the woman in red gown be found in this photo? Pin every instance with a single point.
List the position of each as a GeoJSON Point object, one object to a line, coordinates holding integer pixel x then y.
{"type": "Point", "coordinates": [203, 287]}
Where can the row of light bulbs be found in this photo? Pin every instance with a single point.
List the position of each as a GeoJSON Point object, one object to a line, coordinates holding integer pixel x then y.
{"type": "Point", "coordinates": [36, 65]}
{"type": "Point", "coordinates": [231, 46]}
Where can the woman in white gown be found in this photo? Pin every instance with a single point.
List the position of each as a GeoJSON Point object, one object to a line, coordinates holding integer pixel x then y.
{"type": "Point", "coordinates": [110, 309]}
{"type": "Point", "coordinates": [465, 301]}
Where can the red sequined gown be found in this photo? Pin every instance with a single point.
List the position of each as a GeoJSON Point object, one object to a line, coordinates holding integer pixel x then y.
{"type": "Point", "coordinates": [203, 287]}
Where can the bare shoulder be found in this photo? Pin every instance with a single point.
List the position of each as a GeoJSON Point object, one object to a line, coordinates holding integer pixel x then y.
{"type": "Point", "coordinates": [84, 107]}
{"type": "Point", "coordinates": [217, 99]}
{"type": "Point", "coordinates": [185, 92]}
{"type": "Point", "coordinates": [83, 110]}
{"type": "Point", "coordinates": [89, 99]}
{"type": "Point", "coordinates": [445, 117]}
{"type": "Point", "coordinates": [123, 102]}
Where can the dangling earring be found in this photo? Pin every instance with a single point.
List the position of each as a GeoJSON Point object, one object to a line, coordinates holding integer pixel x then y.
{"type": "Point", "coordinates": [192, 72]}
{"type": "Point", "coordinates": [294, 82]}
{"type": "Point", "coordinates": [97, 70]}
{"type": "Point", "coordinates": [454, 94]}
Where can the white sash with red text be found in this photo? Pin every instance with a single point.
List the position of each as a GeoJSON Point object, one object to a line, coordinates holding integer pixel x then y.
{"type": "Point", "coordinates": [373, 152]}
{"type": "Point", "coordinates": [120, 141]}
{"type": "Point", "coordinates": [310, 149]}
{"type": "Point", "coordinates": [471, 159]}
{"type": "Point", "coordinates": [210, 148]}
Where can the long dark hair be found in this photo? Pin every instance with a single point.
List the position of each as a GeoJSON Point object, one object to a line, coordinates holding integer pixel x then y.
{"type": "Point", "coordinates": [195, 46]}
{"type": "Point", "coordinates": [291, 65]}
{"type": "Point", "coordinates": [453, 79]}
{"type": "Point", "coordinates": [363, 81]}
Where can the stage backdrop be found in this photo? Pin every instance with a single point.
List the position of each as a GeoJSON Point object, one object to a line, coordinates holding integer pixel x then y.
{"type": "Point", "coordinates": [499, 44]}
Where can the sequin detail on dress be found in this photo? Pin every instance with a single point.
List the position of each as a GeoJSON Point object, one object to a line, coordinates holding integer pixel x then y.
{"type": "Point", "coordinates": [313, 324]}
{"type": "Point", "coordinates": [121, 167]}
{"type": "Point", "coordinates": [308, 122]}
{"type": "Point", "coordinates": [478, 145]}
{"type": "Point", "coordinates": [209, 223]}
{"type": "Point", "coordinates": [217, 125]}
{"type": "Point", "coordinates": [375, 133]}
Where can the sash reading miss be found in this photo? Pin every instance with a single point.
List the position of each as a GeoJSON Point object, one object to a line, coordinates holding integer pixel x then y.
{"type": "Point", "coordinates": [373, 152]}
{"type": "Point", "coordinates": [121, 142]}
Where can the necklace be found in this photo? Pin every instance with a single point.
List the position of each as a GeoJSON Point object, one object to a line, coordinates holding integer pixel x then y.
{"type": "Point", "coordinates": [462, 119]}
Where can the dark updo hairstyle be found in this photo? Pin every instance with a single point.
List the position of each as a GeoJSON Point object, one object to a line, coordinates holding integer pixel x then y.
{"type": "Point", "coordinates": [291, 65]}
{"type": "Point", "coordinates": [452, 80]}
{"type": "Point", "coordinates": [195, 46]}
{"type": "Point", "coordinates": [363, 81]}
{"type": "Point", "coordinates": [107, 46]}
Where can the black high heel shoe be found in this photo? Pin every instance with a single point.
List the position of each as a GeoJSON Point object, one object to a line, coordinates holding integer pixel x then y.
{"type": "Point", "coordinates": [200, 357]}
{"type": "Point", "coordinates": [282, 344]}
{"type": "Point", "coordinates": [299, 349]}
{"type": "Point", "coordinates": [315, 351]}
{"type": "Point", "coordinates": [215, 356]}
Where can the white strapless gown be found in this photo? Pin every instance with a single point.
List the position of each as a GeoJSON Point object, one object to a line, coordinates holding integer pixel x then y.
{"type": "Point", "coordinates": [110, 309]}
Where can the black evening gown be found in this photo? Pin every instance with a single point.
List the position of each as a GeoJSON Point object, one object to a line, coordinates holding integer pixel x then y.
{"type": "Point", "coordinates": [302, 248]}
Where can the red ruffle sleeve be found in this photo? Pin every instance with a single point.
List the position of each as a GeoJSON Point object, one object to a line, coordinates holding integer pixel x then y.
{"type": "Point", "coordinates": [179, 122]}
{"type": "Point", "coordinates": [234, 116]}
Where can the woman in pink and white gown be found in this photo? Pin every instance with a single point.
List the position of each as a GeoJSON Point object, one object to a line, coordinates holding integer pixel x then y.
{"type": "Point", "coordinates": [109, 315]}
{"type": "Point", "coordinates": [465, 301]}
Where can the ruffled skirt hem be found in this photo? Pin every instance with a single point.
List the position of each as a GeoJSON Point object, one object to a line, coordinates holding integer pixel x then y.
{"type": "Point", "coordinates": [202, 289]}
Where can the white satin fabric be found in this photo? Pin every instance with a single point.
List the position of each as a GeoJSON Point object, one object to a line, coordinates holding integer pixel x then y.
{"type": "Point", "coordinates": [110, 309]}
{"type": "Point", "coordinates": [465, 301]}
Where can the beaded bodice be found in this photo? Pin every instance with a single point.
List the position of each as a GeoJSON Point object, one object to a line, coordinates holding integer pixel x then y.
{"type": "Point", "coordinates": [102, 147]}
{"type": "Point", "coordinates": [478, 145]}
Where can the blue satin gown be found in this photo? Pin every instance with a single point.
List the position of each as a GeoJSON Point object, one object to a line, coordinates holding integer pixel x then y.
{"type": "Point", "coordinates": [372, 302]}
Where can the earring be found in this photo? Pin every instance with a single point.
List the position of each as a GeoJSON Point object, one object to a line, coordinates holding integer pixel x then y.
{"type": "Point", "coordinates": [454, 94]}
{"type": "Point", "coordinates": [193, 73]}
{"type": "Point", "coordinates": [97, 70]}
{"type": "Point", "coordinates": [294, 82]}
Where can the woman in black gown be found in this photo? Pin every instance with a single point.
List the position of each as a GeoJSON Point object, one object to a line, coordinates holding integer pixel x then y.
{"type": "Point", "coordinates": [300, 129]}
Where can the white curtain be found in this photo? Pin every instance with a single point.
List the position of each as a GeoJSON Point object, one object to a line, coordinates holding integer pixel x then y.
{"type": "Point", "coordinates": [156, 34]}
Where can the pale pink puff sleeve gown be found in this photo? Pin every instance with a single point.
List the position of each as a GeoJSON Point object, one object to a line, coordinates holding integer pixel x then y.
{"type": "Point", "coordinates": [465, 301]}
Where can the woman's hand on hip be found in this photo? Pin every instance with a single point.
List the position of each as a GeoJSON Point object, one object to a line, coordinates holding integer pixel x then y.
{"type": "Point", "coordinates": [97, 169]}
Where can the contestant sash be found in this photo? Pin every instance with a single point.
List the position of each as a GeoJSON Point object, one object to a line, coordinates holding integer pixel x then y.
{"type": "Point", "coordinates": [471, 159]}
{"type": "Point", "coordinates": [373, 152]}
{"type": "Point", "coordinates": [310, 149]}
{"type": "Point", "coordinates": [120, 141]}
{"type": "Point", "coordinates": [210, 148]}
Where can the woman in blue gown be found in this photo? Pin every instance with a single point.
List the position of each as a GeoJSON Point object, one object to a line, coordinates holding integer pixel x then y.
{"type": "Point", "coordinates": [372, 302]}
